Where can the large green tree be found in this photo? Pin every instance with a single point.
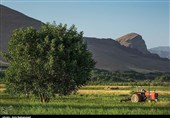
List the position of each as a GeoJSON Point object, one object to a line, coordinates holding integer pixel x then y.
{"type": "Point", "coordinates": [53, 60]}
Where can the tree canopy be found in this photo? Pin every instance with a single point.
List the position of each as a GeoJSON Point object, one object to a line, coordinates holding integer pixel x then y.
{"type": "Point", "coordinates": [49, 61]}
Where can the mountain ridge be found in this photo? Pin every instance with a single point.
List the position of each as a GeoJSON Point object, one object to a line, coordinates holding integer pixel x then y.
{"type": "Point", "coordinates": [112, 56]}
{"type": "Point", "coordinates": [11, 20]}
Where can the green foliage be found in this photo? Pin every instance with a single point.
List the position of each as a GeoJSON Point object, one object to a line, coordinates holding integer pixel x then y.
{"type": "Point", "coordinates": [163, 78]}
{"type": "Point", "coordinates": [2, 75]}
{"type": "Point", "coordinates": [128, 78]}
{"type": "Point", "coordinates": [53, 60]}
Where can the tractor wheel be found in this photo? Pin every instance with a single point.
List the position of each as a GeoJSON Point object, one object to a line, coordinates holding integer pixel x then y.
{"type": "Point", "coordinates": [136, 98]}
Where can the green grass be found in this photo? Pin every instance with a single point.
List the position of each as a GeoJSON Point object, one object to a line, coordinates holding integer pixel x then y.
{"type": "Point", "coordinates": [84, 104]}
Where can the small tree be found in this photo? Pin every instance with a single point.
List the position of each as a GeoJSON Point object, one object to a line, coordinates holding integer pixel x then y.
{"type": "Point", "coordinates": [53, 60]}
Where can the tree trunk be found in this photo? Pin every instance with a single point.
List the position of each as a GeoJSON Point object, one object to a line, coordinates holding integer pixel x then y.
{"type": "Point", "coordinates": [44, 98]}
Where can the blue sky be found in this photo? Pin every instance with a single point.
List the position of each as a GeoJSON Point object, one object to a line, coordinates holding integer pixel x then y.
{"type": "Point", "coordinates": [104, 18]}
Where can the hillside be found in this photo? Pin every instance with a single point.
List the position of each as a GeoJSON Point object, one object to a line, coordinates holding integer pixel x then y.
{"type": "Point", "coordinates": [112, 56]}
{"type": "Point", "coordinates": [11, 20]}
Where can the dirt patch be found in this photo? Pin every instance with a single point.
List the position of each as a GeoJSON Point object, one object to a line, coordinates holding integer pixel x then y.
{"type": "Point", "coordinates": [104, 91]}
{"type": "Point", "coordinates": [115, 92]}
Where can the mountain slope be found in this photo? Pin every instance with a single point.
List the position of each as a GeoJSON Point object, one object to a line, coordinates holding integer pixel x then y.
{"type": "Point", "coordinates": [162, 51]}
{"type": "Point", "coordinates": [10, 20]}
{"type": "Point", "coordinates": [112, 56]}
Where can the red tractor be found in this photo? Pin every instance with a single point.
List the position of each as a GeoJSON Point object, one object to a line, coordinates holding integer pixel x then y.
{"type": "Point", "coordinates": [143, 95]}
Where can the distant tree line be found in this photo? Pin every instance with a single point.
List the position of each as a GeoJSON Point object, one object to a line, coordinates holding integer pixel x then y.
{"type": "Point", "coordinates": [103, 77]}
{"type": "Point", "coordinates": [130, 77]}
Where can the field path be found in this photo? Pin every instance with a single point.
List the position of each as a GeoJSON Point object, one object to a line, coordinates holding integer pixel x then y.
{"type": "Point", "coordinates": [104, 91]}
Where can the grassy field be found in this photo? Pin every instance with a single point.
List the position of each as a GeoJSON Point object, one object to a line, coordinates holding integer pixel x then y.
{"type": "Point", "coordinates": [88, 100]}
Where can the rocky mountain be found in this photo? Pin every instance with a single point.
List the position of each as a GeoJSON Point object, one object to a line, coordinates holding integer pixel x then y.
{"type": "Point", "coordinates": [162, 51]}
{"type": "Point", "coordinates": [126, 53]}
{"type": "Point", "coordinates": [133, 40]}
{"type": "Point", "coordinates": [111, 55]}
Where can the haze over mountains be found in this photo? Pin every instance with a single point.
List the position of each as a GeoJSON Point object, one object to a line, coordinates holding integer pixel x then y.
{"type": "Point", "coordinates": [162, 51]}
{"type": "Point", "coordinates": [126, 53]}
